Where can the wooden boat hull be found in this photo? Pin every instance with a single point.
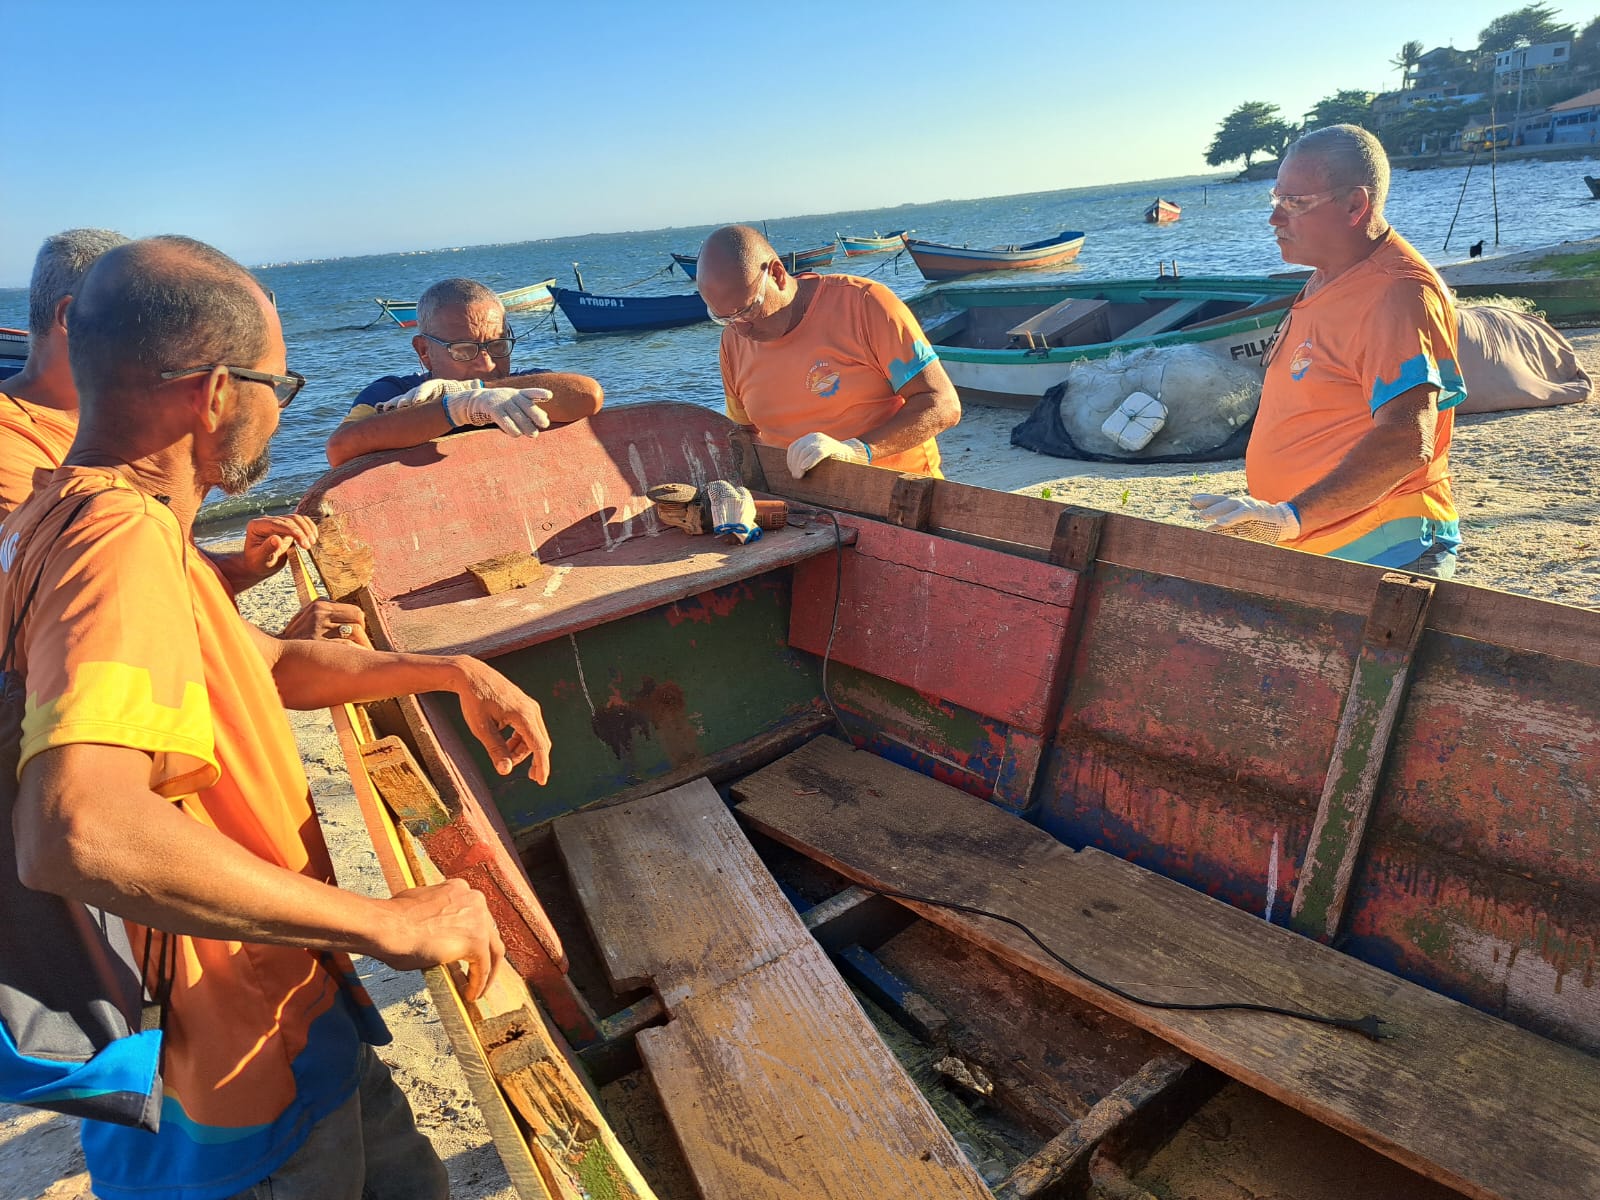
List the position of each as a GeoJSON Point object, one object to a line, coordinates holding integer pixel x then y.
{"type": "Point", "coordinates": [13, 351]}
{"type": "Point", "coordinates": [534, 297]}
{"type": "Point", "coordinates": [938, 262]}
{"type": "Point", "coordinates": [855, 247]}
{"type": "Point", "coordinates": [591, 313]}
{"type": "Point", "coordinates": [1218, 747]}
{"type": "Point", "coordinates": [807, 260]}
{"type": "Point", "coordinates": [1162, 212]}
{"type": "Point", "coordinates": [968, 328]}
{"type": "Point", "coordinates": [689, 263]}
{"type": "Point", "coordinates": [1563, 301]}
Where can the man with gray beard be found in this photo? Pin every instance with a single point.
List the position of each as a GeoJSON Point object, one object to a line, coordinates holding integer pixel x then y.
{"type": "Point", "coordinates": [159, 781]}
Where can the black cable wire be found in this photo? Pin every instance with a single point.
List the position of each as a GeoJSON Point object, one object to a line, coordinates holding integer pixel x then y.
{"type": "Point", "coordinates": [1367, 1026]}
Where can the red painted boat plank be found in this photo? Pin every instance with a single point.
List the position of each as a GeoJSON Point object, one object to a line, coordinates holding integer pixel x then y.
{"type": "Point", "coordinates": [588, 589]}
{"type": "Point", "coordinates": [574, 488]}
{"type": "Point", "coordinates": [907, 609]}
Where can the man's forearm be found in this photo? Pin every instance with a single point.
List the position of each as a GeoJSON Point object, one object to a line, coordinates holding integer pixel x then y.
{"type": "Point", "coordinates": [139, 856]}
{"type": "Point", "coordinates": [925, 415]}
{"type": "Point", "coordinates": [392, 430]}
{"type": "Point", "coordinates": [236, 570]}
{"type": "Point", "coordinates": [1384, 456]}
{"type": "Point", "coordinates": [321, 673]}
{"type": "Point", "coordinates": [572, 397]}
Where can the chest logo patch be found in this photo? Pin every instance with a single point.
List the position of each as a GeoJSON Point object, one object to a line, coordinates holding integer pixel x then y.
{"type": "Point", "coordinates": [1301, 362]}
{"type": "Point", "coordinates": [822, 378]}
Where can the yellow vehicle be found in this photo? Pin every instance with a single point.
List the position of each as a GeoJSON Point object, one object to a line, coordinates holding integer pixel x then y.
{"type": "Point", "coordinates": [1485, 137]}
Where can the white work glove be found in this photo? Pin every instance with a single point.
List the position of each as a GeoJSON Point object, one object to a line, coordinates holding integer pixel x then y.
{"type": "Point", "coordinates": [733, 511]}
{"type": "Point", "coordinates": [808, 451]}
{"type": "Point", "coordinates": [516, 411]}
{"type": "Point", "coordinates": [430, 390]}
{"type": "Point", "coordinates": [1242, 516]}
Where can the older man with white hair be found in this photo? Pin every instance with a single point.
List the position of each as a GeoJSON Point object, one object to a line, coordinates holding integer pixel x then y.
{"type": "Point", "coordinates": [1349, 456]}
{"type": "Point", "coordinates": [464, 345]}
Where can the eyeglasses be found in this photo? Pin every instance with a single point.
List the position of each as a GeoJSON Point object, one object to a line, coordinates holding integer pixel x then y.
{"type": "Point", "coordinates": [465, 352]}
{"type": "Point", "coordinates": [1294, 206]}
{"type": "Point", "coordinates": [284, 387]}
{"type": "Point", "coordinates": [745, 313]}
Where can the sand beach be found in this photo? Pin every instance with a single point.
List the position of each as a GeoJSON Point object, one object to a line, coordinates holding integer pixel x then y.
{"type": "Point", "coordinates": [1527, 486]}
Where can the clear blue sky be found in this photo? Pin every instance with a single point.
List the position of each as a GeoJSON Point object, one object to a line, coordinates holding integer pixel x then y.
{"type": "Point", "coordinates": [287, 130]}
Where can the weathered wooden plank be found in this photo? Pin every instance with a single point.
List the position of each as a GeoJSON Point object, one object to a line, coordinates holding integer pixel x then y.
{"type": "Point", "coordinates": [1063, 1162]}
{"type": "Point", "coordinates": [773, 1079]}
{"type": "Point", "coordinates": [1458, 1096]}
{"type": "Point", "coordinates": [911, 502]}
{"type": "Point", "coordinates": [905, 613]}
{"type": "Point", "coordinates": [587, 589]}
{"type": "Point", "coordinates": [1366, 728]}
{"type": "Point", "coordinates": [401, 783]}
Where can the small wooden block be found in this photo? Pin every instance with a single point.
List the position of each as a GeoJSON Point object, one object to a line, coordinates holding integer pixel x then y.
{"type": "Point", "coordinates": [504, 572]}
{"type": "Point", "coordinates": [401, 783]}
{"type": "Point", "coordinates": [1077, 538]}
{"type": "Point", "coordinates": [911, 502]}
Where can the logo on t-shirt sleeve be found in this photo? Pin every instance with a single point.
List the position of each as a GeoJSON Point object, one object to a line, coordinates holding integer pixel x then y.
{"type": "Point", "coordinates": [822, 378]}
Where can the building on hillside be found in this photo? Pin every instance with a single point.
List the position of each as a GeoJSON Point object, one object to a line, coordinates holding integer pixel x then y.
{"type": "Point", "coordinates": [1443, 65]}
{"type": "Point", "coordinates": [1512, 68]}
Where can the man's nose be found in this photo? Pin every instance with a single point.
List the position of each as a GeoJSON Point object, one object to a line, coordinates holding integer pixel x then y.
{"type": "Point", "coordinates": [1276, 217]}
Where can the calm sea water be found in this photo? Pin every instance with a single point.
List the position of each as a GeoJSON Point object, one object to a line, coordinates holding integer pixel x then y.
{"type": "Point", "coordinates": [327, 305]}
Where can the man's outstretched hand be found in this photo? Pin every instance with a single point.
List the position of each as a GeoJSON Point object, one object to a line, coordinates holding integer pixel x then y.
{"type": "Point", "coordinates": [492, 704]}
{"type": "Point", "coordinates": [1246, 517]}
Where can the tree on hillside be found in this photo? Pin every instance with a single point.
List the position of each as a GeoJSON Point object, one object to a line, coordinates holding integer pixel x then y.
{"type": "Point", "coordinates": [1586, 47]}
{"type": "Point", "coordinates": [1247, 131]}
{"type": "Point", "coordinates": [1409, 54]}
{"type": "Point", "coordinates": [1341, 108]}
{"type": "Point", "coordinates": [1526, 26]}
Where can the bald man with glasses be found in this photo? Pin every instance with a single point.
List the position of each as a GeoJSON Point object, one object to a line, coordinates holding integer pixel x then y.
{"type": "Point", "coordinates": [1349, 454]}
{"type": "Point", "coordinates": [464, 345]}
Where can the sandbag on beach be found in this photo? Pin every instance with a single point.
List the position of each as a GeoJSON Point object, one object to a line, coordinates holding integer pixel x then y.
{"type": "Point", "coordinates": [1171, 404]}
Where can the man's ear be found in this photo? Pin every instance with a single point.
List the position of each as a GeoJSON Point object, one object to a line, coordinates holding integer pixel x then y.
{"type": "Point", "coordinates": [1359, 210]}
{"type": "Point", "coordinates": [58, 319]}
{"type": "Point", "coordinates": [420, 345]}
{"type": "Point", "coordinates": [213, 396]}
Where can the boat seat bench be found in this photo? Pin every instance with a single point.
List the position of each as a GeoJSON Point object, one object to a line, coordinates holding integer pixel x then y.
{"type": "Point", "coordinates": [1468, 1100]}
{"type": "Point", "coordinates": [772, 1077]}
{"type": "Point", "coordinates": [1168, 319]}
{"type": "Point", "coordinates": [1071, 322]}
{"type": "Point", "coordinates": [588, 589]}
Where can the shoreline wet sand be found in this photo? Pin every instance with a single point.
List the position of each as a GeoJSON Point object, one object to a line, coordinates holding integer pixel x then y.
{"type": "Point", "coordinates": [1528, 488]}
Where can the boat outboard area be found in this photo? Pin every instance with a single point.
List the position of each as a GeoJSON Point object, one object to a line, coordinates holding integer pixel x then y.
{"type": "Point", "coordinates": [950, 842]}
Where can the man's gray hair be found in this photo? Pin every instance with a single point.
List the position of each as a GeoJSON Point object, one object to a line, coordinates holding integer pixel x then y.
{"type": "Point", "coordinates": [1349, 156]}
{"type": "Point", "coordinates": [451, 293]}
{"type": "Point", "coordinates": [63, 261]}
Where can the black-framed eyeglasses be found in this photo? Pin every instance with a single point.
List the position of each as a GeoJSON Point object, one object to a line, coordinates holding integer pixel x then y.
{"type": "Point", "coordinates": [748, 311]}
{"type": "Point", "coordinates": [465, 352]}
{"type": "Point", "coordinates": [284, 387]}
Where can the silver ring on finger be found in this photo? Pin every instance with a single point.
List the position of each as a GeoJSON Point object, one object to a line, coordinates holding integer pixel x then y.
{"type": "Point", "coordinates": [347, 631]}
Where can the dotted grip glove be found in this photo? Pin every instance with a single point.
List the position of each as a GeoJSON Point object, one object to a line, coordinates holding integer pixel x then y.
{"type": "Point", "coordinates": [806, 452]}
{"type": "Point", "coordinates": [733, 511]}
{"type": "Point", "coordinates": [515, 411]}
{"type": "Point", "coordinates": [1245, 517]}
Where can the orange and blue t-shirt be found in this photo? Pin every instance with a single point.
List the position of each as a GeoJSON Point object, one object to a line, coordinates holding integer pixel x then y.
{"type": "Point", "coordinates": [133, 640]}
{"type": "Point", "coordinates": [33, 439]}
{"type": "Point", "coordinates": [838, 371]}
{"type": "Point", "coordinates": [1384, 327]}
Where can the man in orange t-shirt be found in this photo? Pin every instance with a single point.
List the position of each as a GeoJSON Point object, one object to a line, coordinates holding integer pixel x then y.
{"type": "Point", "coordinates": [39, 419]}
{"type": "Point", "coordinates": [826, 366]}
{"type": "Point", "coordinates": [1349, 455]}
{"type": "Point", "coordinates": [159, 780]}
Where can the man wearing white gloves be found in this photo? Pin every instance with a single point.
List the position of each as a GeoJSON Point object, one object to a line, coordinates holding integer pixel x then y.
{"type": "Point", "coordinates": [828, 366]}
{"type": "Point", "coordinates": [464, 345]}
{"type": "Point", "coordinates": [1349, 455]}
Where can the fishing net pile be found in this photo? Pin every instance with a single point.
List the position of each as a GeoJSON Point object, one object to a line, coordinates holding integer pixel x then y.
{"type": "Point", "coordinates": [1158, 405]}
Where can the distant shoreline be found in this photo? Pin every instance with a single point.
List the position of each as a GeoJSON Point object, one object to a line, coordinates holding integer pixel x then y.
{"type": "Point", "coordinates": [1455, 158]}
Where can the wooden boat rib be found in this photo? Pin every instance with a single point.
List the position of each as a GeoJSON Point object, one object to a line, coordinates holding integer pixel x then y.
{"type": "Point", "coordinates": [1292, 751]}
{"type": "Point", "coordinates": [590, 312]}
{"type": "Point", "coordinates": [533, 297]}
{"type": "Point", "coordinates": [1162, 212]}
{"type": "Point", "coordinates": [1007, 346]}
{"type": "Point", "coordinates": [938, 261]}
{"type": "Point", "coordinates": [878, 243]}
